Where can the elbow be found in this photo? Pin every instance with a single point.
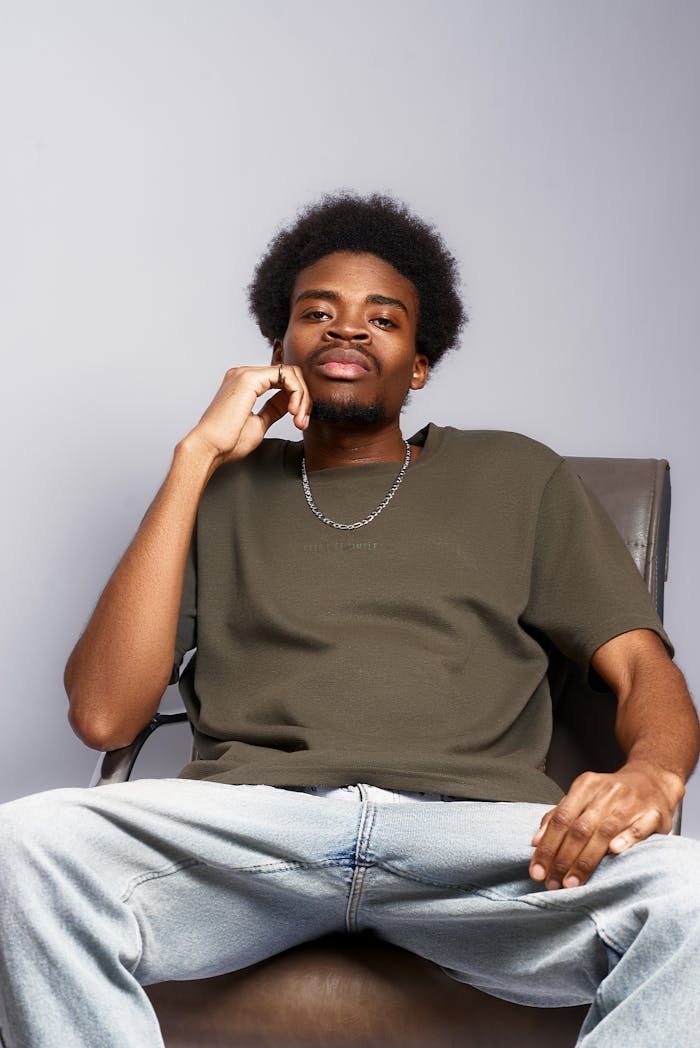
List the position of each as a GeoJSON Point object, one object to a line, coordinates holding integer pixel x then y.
{"type": "Point", "coordinates": [100, 730]}
{"type": "Point", "coordinates": [81, 714]}
{"type": "Point", "coordinates": [94, 731]}
{"type": "Point", "coordinates": [107, 713]}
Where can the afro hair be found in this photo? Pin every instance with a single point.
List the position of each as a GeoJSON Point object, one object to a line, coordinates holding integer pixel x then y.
{"type": "Point", "coordinates": [379, 225]}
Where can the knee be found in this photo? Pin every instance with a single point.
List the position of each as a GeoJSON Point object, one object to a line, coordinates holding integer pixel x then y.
{"type": "Point", "coordinates": [673, 877]}
{"type": "Point", "coordinates": [32, 829]}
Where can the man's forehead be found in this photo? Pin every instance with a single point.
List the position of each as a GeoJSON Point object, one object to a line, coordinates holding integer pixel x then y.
{"type": "Point", "coordinates": [348, 271]}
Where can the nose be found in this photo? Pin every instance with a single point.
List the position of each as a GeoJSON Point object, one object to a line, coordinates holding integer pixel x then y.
{"type": "Point", "coordinates": [348, 327]}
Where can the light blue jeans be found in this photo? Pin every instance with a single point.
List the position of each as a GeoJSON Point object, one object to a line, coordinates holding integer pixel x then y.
{"type": "Point", "coordinates": [105, 890]}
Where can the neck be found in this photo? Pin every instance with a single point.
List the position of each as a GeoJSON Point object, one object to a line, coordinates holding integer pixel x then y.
{"type": "Point", "coordinates": [330, 445]}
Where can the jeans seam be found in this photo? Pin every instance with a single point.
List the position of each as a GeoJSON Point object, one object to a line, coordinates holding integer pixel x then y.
{"type": "Point", "coordinates": [540, 904]}
{"type": "Point", "coordinates": [153, 875]}
{"type": "Point", "coordinates": [367, 817]}
{"type": "Point", "coordinates": [471, 889]}
{"type": "Point", "coordinates": [185, 864]}
{"type": "Point", "coordinates": [587, 911]}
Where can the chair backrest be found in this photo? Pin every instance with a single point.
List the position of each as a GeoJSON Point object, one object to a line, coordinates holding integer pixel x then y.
{"type": "Point", "coordinates": [637, 496]}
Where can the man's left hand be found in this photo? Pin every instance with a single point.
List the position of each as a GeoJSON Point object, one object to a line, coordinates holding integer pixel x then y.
{"type": "Point", "coordinates": [603, 813]}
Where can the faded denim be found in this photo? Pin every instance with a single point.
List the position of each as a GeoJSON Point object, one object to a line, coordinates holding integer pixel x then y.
{"type": "Point", "coordinates": [106, 890]}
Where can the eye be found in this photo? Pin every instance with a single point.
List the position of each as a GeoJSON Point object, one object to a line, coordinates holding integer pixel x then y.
{"type": "Point", "coordinates": [384, 322]}
{"type": "Point", "coordinates": [316, 314]}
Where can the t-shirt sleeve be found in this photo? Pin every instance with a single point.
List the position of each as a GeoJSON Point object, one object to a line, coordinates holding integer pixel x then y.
{"type": "Point", "coordinates": [585, 587]}
{"type": "Point", "coordinates": [186, 636]}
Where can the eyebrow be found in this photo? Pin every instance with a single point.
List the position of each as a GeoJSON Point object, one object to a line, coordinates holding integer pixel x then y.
{"type": "Point", "coordinates": [333, 296]}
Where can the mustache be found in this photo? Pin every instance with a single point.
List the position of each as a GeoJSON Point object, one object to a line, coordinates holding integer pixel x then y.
{"type": "Point", "coordinates": [354, 346]}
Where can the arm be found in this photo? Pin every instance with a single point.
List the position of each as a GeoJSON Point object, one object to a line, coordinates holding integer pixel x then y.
{"type": "Point", "coordinates": [657, 727]}
{"type": "Point", "coordinates": [121, 664]}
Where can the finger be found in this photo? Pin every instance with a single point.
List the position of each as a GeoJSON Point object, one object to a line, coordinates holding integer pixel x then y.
{"type": "Point", "coordinates": [588, 860]}
{"type": "Point", "coordinates": [274, 408]}
{"type": "Point", "coordinates": [639, 830]}
{"type": "Point", "coordinates": [292, 397]}
{"type": "Point", "coordinates": [584, 848]}
{"type": "Point", "coordinates": [584, 845]}
{"type": "Point", "coordinates": [591, 856]}
{"type": "Point", "coordinates": [550, 837]}
{"type": "Point", "coordinates": [564, 822]}
{"type": "Point", "coordinates": [299, 405]}
{"type": "Point", "coordinates": [544, 822]}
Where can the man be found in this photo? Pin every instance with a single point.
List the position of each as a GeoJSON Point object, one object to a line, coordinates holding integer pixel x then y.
{"type": "Point", "coordinates": [368, 694]}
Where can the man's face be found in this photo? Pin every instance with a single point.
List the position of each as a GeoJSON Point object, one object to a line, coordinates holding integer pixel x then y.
{"type": "Point", "coordinates": [352, 330]}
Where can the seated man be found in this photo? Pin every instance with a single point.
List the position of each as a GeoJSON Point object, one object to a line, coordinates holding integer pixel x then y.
{"type": "Point", "coordinates": [369, 694]}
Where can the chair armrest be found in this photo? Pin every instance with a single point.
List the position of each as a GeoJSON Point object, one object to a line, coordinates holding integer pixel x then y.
{"type": "Point", "coordinates": [116, 765]}
{"type": "Point", "coordinates": [677, 817]}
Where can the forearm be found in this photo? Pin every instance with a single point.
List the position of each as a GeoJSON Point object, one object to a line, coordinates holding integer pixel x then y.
{"type": "Point", "coordinates": [121, 665]}
{"type": "Point", "coordinates": [657, 727]}
{"type": "Point", "coordinates": [656, 721]}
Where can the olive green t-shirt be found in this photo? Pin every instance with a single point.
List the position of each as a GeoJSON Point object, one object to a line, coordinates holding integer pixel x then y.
{"type": "Point", "coordinates": [407, 653]}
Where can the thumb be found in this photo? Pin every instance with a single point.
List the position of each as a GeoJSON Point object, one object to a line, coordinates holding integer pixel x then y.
{"type": "Point", "coordinates": [274, 408]}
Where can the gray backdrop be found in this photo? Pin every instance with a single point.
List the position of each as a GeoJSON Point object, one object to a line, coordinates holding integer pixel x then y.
{"type": "Point", "coordinates": [149, 150]}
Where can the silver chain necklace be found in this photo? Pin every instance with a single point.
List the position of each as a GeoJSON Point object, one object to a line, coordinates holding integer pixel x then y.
{"type": "Point", "coordinates": [366, 520]}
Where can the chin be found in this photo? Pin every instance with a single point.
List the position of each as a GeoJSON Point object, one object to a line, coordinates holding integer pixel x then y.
{"type": "Point", "coordinates": [347, 413]}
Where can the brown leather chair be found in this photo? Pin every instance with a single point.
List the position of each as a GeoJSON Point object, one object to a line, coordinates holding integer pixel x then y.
{"type": "Point", "coordinates": [356, 990]}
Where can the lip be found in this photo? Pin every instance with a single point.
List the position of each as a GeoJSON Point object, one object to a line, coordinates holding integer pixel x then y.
{"type": "Point", "coordinates": [343, 364]}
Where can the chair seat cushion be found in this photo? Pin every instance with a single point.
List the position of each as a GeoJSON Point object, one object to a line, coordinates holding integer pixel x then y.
{"type": "Point", "coordinates": [350, 990]}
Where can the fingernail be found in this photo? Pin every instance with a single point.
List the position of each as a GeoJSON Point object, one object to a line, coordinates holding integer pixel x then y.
{"type": "Point", "coordinates": [537, 872]}
{"type": "Point", "coordinates": [553, 885]}
{"type": "Point", "coordinates": [571, 882]}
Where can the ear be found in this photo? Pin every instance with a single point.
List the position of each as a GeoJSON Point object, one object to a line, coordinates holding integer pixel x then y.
{"type": "Point", "coordinates": [277, 352]}
{"type": "Point", "coordinates": [421, 368]}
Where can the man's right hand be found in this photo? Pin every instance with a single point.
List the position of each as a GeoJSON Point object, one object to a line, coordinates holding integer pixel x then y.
{"type": "Point", "coordinates": [230, 428]}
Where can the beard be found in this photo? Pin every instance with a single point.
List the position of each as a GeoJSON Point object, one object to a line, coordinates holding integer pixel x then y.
{"type": "Point", "coordinates": [349, 413]}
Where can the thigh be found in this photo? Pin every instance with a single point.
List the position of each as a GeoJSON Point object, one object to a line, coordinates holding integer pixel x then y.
{"type": "Point", "coordinates": [450, 882]}
{"type": "Point", "coordinates": [214, 877]}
